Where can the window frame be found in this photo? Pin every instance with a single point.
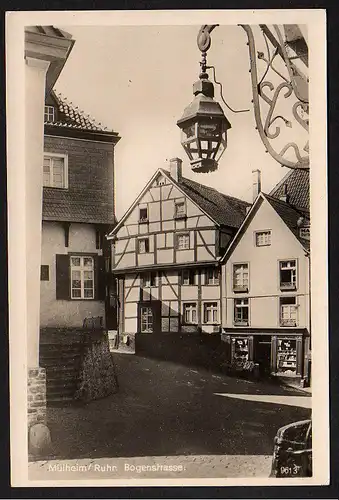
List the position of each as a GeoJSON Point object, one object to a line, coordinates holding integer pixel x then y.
{"type": "Point", "coordinates": [147, 246]}
{"type": "Point", "coordinates": [143, 220]}
{"type": "Point", "coordinates": [288, 322]}
{"type": "Point", "coordinates": [65, 168]}
{"type": "Point", "coordinates": [177, 236]}
{"type": "Point", "coordinates": [213, 309]}
{"type": "Point", "coordinates": [264, 231]}
{"type": "Point", "coordinates": [289, 285]}
{"type": "Point", "coordinates": [153, 279]}
{"type": "Point", "coordinates": [237, 305]}
{"type": "Point", "coordinates": [47, 109]}
{"type": "Point", "coordinates": [241, 288]}
{"type": "Point", "coordinates": [193, 308]}
{"type": "Point", "coordinates": [215, 279]}
{"type": "Point", "coordinates": [191, 277]}
{"type": "Point", "coordinates": [82, 269]}
{"type": "Point", "coordinates": [177, 203]}
{"type": "Point", "coordinates": [148, 330]}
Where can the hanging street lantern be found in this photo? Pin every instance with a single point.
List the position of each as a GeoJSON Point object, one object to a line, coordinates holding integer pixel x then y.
{"type": "Point", "coordinates": [204, 127]}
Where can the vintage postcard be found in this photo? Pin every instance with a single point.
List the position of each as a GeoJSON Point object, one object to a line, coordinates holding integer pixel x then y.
{"type": "Point", "coordinates": [167, 208]}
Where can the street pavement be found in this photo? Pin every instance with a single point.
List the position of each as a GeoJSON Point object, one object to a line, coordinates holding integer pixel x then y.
{"type": "Point", "coordinates": [210, 425]}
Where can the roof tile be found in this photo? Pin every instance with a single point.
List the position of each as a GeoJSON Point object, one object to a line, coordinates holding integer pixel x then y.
{"type": "Point", "coordinates": [298, 188]}
{"type": "Point", "coordinates": [225, 210]}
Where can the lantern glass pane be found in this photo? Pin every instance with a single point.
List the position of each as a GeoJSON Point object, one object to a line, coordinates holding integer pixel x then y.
{"type": "Point", "coordinates": [188, 133]}
{"type": "Point", "coordinates": [210, 129]}
{"type": "Point", "coordinates": [222, 146]}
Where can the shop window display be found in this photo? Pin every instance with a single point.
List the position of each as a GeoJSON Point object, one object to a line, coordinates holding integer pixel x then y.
{"type": "Point", "coordinates": [286, 357]}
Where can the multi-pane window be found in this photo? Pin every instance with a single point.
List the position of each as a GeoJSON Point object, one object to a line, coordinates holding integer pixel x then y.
{"type": "Point", "coordinates": [188, 277]}
{"type": "Point", "coordinates": [148, 279]}
{"type": "Point", "coordinates": [241, 313]}
{"type": "Point", "coordinates": [288, 311]}
{"type": "Point", "coordinates": [49, 114]}
{"type": "Point", "coordinates": [183, 241]}
{"type": "Point", "coordinates": [288, 274]}
{"type": "Point", "coordinates": [55, 171]}
{"type": "Point", "coordinates": [82, 277]}
{"type": "Point", "coordinates": [180, 209]}
{"type": "Point", "coordinates": [212, 276]}
{"type": "Point", "coordinates": [143, 245]}
{"type": "Point", "coordinates": [146, 317]}
{"type": "Point", "coordinates": [190, 312]}
{"type": "Point", "coordinates": [240, 277]}
{"type": "Point", "coordinates": [143, 214]}
{"type": "Point", "coordinates": [262, 238]}
{"type": "Point", "coordinates": [211, 312]}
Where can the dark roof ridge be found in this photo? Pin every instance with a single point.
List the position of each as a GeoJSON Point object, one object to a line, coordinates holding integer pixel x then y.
{"type": "Point", "coordinates": [204, 186]}
{"type": "Point", "coordinates": [285, 203]}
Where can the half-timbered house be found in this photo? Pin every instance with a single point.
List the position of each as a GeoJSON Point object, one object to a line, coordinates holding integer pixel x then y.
{"type": "Point", "coordinates": [166, 254]}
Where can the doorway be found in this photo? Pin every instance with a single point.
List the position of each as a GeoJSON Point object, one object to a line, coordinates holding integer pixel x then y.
{"type": "Point", "coordinates": [262, 354]}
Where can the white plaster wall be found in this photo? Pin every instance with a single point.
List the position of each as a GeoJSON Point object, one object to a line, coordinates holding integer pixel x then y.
{"type": "Point", "coordinates": [65, 313]}
{"type": "Point", "coordinates": [189, 292]}
{"type": "Point", "coordinates": [35, 75]}
{"type": "Point", "coordinates": [264, 290]}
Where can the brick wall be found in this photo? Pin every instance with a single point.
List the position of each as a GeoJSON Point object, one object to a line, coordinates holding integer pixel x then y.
{"type": "Point", "coordinates": [36, 396]}
{"type": "Point", "coordinates": [89, 197]}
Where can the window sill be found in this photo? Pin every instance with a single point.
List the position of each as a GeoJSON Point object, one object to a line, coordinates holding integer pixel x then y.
{"type": "Point", "coordinates": [143, 221]}
{"type": "Point", "coordinates": [76, 299]}
{"type": "Point", "coordinates": [57, 188]}
{"type": "Point", "coordinates": [288, 324]}
{"type": "Point", "coordinates": [287, 287]}
{"type": "Point", "coordinates": [240, 289]}
{"type": "Point", "coordinates": [241, 323]}
{"type": "Point", "coordinates": [179, 217]}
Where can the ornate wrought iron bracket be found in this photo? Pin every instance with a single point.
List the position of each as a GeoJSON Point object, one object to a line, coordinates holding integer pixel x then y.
{"type": "Point", "coordinates": [295, 83]}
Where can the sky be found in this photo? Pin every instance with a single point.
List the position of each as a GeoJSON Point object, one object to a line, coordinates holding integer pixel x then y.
{"type": "Point", "coordinates": [137, 80]}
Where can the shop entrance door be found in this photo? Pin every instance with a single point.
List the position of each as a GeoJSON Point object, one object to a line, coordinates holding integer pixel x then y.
{"type": "Point", "coordinates": [262, 354]}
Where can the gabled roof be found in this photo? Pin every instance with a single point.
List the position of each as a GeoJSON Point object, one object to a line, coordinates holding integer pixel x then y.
{"type": "Point", "coordinates": [289, 215]}
{"type": "Point", "coordinates": [71, 116]}
{"type": "Point", "coordinates": [49, 30]}
{"type": "Point", "coordinates": [224, 210]}
{"type": "Point", "coordinates": [297, 181]}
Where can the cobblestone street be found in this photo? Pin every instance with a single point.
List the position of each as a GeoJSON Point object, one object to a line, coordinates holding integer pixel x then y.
{"type": "Point", "coordinates": [164, 409]}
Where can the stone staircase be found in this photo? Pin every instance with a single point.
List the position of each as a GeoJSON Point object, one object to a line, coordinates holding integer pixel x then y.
{"type": "Point", "coordinates": [61, 354]}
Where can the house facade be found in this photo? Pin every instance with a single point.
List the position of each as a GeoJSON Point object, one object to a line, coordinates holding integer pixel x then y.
{"type": "Point", "coordinates": [266, 276]}
{"type": "Point", "coordinates": [166, 254]}
{"type": "Point", "coordinates": [78, 211]}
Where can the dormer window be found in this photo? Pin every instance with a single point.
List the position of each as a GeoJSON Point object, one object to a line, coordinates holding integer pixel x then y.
{"type": "Point", "coordinates": [161, 181]}
{"type": "Point", "coordinates": [49, 115]}
{"type": "Point", "coordinates": [143, 215]}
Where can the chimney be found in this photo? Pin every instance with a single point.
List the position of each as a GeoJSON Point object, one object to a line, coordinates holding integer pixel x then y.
{"type": "Point", "coordinates": [285, 196]}
{"type": "Point", "coordinates": [176, 169]}
{"type": "Point", "coordinates": [256, 183]}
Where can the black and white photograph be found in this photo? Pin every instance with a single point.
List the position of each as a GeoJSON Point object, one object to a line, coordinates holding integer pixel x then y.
{"type": "Point", "coordinates": [167, 295]}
